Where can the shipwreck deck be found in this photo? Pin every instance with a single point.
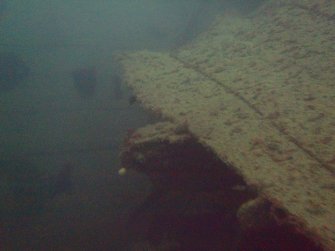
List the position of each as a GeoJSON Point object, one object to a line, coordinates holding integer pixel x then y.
{"type": "Point", "coordinates": [259, 92]}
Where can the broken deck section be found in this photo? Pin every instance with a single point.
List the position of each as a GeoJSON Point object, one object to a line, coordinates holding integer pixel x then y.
{"type": "Point", "coordinates": [259, 92]}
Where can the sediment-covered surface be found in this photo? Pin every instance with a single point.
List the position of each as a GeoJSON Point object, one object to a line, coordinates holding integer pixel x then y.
{"type": "Point", "coordinates": [259, 92]}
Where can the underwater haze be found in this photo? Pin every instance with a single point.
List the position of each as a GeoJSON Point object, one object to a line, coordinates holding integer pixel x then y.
{"type": "Point", "coordinates": [64, 113]}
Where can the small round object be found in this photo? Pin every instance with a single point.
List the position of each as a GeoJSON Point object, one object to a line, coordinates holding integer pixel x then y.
{"type": "Point", "coordinates": [122, 171]}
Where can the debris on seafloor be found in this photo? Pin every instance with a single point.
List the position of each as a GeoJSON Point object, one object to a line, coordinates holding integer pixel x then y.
{"type": "Point", "coordinates": [85, 81]}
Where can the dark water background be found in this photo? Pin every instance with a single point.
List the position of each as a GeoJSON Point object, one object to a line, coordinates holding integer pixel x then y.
{"type": "Point", "coordinates": [45, 125]}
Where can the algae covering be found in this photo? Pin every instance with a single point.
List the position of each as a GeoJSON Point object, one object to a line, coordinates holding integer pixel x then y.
{"type": "Point", "coordinates": [260, 92]}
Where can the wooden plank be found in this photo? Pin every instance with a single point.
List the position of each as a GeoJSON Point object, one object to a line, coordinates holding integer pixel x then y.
{"type": "Point", "coordinates": [259, 91]}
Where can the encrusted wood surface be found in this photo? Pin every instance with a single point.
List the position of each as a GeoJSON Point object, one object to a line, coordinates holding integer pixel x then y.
{"type": "Point", "coordinates": [260, 92]}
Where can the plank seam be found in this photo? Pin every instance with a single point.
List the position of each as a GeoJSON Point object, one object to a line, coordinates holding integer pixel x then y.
{"type": "Point", "coordinates": [257, 111]}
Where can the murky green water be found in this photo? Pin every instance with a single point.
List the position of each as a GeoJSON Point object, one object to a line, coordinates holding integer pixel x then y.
{"type": "Point", "coordinates": [46, 124]}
